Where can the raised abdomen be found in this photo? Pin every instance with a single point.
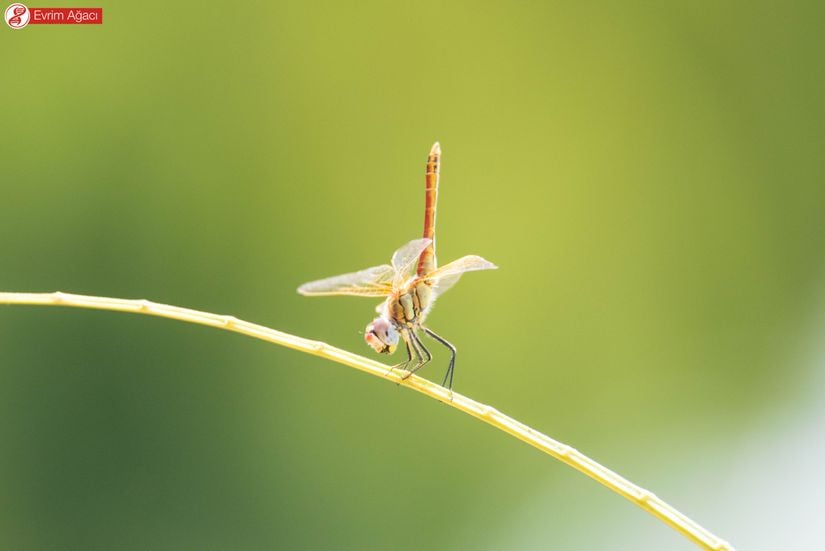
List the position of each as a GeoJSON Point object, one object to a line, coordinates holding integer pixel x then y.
{"type": "Point", "coordinates": [427, 260]}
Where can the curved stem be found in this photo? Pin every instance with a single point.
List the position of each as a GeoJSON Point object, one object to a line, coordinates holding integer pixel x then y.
{"type": "Point", "coordinates": [564, 453]}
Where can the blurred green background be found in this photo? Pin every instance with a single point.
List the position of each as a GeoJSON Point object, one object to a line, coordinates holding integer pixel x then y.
{"type": "Point", "coordinates": [648, 178]}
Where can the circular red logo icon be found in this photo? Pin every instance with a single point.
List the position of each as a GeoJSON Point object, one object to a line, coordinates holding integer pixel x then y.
{"type": "Point", "coordinates": [17, 16]}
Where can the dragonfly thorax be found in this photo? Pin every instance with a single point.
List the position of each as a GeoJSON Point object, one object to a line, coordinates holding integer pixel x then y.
{"type": "Point", "coordinates": [405, 308]}
{"type": "Point", "coordinates": [409, 307]}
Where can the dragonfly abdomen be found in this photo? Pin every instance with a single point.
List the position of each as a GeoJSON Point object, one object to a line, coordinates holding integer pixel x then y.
{"type": "Point", "coordinates": [426, 262]}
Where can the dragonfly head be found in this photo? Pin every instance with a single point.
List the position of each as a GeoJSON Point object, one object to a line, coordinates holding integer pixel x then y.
{"type": "Point", "coordinates": [381, 335]}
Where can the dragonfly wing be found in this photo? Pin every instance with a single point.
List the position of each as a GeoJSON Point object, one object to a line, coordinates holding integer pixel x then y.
{"type": "Point", "coordinates": [447, 275]}
{"type": "Point", "coordinates": [442, 285]}
{"type": "Point", "coordinates": [405, 258]}
{"type": "Point", "coordinates": [372, 282]}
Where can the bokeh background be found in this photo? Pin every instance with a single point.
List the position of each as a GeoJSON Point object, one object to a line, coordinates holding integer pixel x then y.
{"type": "Point", "coordinates": [649, 178]}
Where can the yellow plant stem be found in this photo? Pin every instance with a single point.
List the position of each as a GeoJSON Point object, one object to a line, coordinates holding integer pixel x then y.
{"type": "Point", "coordinates": [564, 453]}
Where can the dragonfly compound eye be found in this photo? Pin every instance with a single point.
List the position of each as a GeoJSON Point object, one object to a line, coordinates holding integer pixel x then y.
{"type": "Point", "coordinates": [382, 336]}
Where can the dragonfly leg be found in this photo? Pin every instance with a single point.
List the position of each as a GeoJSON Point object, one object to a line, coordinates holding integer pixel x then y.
{"type": "Point", "coordinates": [421, 352]}
{"type": "Point", "coordinates": [404, 365]}
{"type": "Point", "coordinates": [451, 368]}
{"type": "Point", "coordinates": [424, 355]}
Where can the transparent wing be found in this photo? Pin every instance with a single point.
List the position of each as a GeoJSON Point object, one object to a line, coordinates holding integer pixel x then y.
{"type": "Point", "coordinates": [442, 285]}
{"type": "Point", "coordinates": [372, 282]}
{"type": "Point", "coordinates": [405, 258]}
{"type": "Point", "coordinates": [446, 276]}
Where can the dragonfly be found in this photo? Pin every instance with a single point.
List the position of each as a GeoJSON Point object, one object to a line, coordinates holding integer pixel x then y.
{"type": "Point", "coordinates": [411, 283]}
